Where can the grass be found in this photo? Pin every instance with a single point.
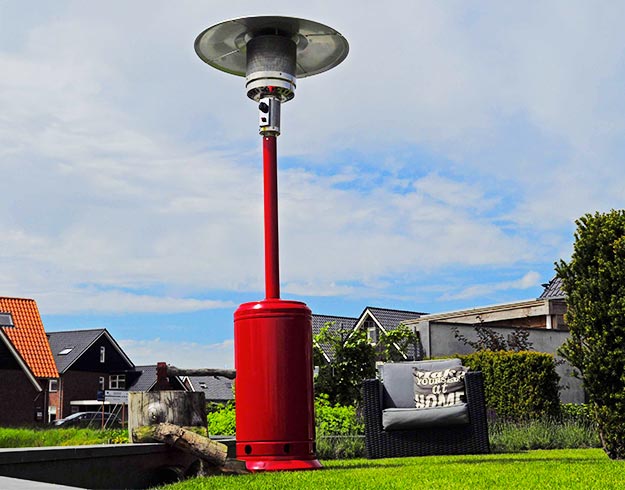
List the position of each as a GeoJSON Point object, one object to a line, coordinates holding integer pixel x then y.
{"type": "Point", "coordinates": [554, 469]}
{"type": "Point", "coordinates": [504, 437]}
{"type": "Point", "coordinates": [542, 434]}
{"type": "Point", "coordinates": [22, 437]}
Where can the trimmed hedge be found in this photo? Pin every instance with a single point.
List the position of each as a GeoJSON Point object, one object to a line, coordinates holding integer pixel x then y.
{"type": "Point", "coordinates": [517, 385]}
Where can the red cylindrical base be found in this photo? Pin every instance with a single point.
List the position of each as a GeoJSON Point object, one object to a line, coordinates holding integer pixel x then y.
{"type": "Point", "coordinates": [274, 386]}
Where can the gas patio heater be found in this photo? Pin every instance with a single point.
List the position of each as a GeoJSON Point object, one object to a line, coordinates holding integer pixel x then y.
{"type": "Point", "coordinates": [273, 337]}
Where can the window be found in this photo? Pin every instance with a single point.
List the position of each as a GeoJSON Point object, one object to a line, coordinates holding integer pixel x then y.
{"type": "Point", "coordinates": [117, 382]}
{"type": "Point", "coordinates": [102, 353]}
{"type": "Point", "coordinates": [66, 351]}
{"type": "Point", "coordinates": [372, 330]}
{"type": "Point", "coordinates": [51, 413]}
{"type": "Point", "coordinates": [53, 385]}
{"type": "Point", "coordinates": [101, 383]}
{"type": "Point", "coordinates": [6, 320]}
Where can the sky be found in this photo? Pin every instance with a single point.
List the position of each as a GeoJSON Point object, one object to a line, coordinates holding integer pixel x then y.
{"type": "Point", "coordinates": [441, 166]}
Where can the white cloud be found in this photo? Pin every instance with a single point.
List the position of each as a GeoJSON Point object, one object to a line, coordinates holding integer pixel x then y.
{"type": "Point", "coordinates": [90, 300]}
{"type": "Point", "coordinates": [180, 354]}
{"type": "Point", "coordinates": [129, 164]}
{"type": "Point", "coordinates": [529, 280]}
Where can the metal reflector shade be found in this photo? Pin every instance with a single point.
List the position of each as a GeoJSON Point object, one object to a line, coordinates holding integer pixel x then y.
{"type": "Point", "coordinates": [271, 52]}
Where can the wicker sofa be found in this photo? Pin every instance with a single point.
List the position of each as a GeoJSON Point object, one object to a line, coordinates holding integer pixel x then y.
{"type": "Point", "coordinates": [465, 435]}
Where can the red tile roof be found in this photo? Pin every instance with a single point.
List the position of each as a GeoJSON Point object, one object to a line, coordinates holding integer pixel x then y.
{"type": "Point", "coordinates": [28, 336]}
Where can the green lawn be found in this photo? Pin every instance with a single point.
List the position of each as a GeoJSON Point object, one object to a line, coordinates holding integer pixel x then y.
{"type": "Point", "coordinates": [563, 468]}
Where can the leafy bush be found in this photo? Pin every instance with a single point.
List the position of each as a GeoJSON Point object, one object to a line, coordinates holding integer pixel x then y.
{"type": "Point", "coordinates": [336, 420]}
{"type": "Point", "coordinates": [222, 421]}
{"type": "Point", "coordinates": [517, 385]}
{"type": "Point", "coordinates": [577, 412]}
{"type": "Point", "coordinates": [594, 282]}
{"type": "Point", "coordinates": [331, 420]}
{"type": "Point", "coordinates": [353, 359]}
{"type": "Point", "coordinates": [339, 430]}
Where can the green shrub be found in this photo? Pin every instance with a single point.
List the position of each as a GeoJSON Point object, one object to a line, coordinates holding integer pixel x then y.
{"type": "Point", "coordinates": [517, 385]}
{"type": "Point", "coordinates": [594, 282]}
{"type": "Point", "coordinates": [353, 360]}
{"type": "Point", "coordinates": [336, 420]}
{"type": "Point", "coordinates": [577, 412]}
{"type": "Point", "coordinates": [222, 421]}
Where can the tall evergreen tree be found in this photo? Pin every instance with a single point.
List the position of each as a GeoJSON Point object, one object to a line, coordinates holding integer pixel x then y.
{"type": "Point", "coordinates": [594, 282]}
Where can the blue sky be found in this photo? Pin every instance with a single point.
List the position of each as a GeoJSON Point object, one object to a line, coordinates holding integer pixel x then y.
{"type": "Point", "coordinates": [441, 166]}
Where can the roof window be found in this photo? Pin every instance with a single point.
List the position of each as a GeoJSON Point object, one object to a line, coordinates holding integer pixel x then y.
{"type": "Point", "coordinates": [66, 351]}
{"type": "Point", "coordinates": [6, 320]}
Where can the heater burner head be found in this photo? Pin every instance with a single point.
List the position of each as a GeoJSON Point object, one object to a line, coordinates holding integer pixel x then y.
{"type": "Point", "coordinates": [271, 52]}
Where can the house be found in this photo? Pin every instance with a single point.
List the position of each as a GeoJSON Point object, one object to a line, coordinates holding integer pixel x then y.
{"type": "Point", "coordinates": [27, 368]}
{"type": "Point", "coordinates": [144, 378]}
{"type": "Point", "coordinates": [376, 321]}
{"type": "Point", "coordinates": [88, 361]}
{"type": "Point", "coordinates": [542, 319]}
{"type": "Point", "coordinates": [216, 389]}
{"type": "Point", "coordinates": [380, 321]}
{"type": "Point", "coordinates": [547, 311]}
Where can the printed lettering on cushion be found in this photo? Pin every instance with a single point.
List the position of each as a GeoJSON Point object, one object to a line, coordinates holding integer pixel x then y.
{"type": "Point", "coordinates": [439, 388]}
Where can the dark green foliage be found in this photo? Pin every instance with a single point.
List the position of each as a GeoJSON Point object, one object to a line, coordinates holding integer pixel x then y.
{"type": "Point", "coordinates": [594, 282]}
{"type": "Point", "coordinates": [353, 361]}
{"type": "Point", "coordinates": [517, 385]}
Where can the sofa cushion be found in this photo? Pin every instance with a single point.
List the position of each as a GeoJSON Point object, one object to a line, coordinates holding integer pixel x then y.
{"type": "Point", "coordinates": [398, 381]}
{"type": "Point", "coordinates": [441, 388]}
{"type": "Point", "coordinates": [415, 418]}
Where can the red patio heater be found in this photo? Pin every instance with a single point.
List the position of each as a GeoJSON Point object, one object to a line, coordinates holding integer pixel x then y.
{"type": "Point", "coordinates": [273, 337]}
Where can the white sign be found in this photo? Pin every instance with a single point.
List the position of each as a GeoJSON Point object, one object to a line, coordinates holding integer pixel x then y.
{"type": "Point", "coordinates": [116, 396]}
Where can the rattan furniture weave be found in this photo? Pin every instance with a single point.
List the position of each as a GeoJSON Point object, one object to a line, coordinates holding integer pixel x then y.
{"type": "Point", "coordinates": [458, 439]}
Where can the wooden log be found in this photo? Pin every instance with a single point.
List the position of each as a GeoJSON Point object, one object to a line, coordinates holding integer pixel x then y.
{"type": "Point", "coordinates": [174, 407]}
{"type": "Point", "coordinates": [225, 373]}
{"type": "Point", "coordinates": [211, 451]}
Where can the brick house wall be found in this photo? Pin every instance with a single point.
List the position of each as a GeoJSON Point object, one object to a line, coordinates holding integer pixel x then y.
{"type": "Point", "coordinates": [78, 385]}
{"type": "Point", "coordinates": [19, 399]}
{"type": "Point", "coordinates": [54, 400]}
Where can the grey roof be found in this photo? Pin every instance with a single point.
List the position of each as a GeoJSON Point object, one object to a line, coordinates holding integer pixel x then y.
{"type": "Point", "coordinates": [391, 319]}
{"type": "Point", "coordinates": [335, 323]}
{"type": "Point", "coordinates": [145, 378]}
{"type": "Point", "coordinates": [215, 388]}
{"type": "Point", "coordinates": [76, 340]}
{"type": "Point", "coordinates": [553, 290]}
{"type": "Point", "coordinates": [73, 343]}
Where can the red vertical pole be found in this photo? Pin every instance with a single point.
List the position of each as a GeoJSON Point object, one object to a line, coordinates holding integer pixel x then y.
{"type": "Point", "coordinates": [270, 177]}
